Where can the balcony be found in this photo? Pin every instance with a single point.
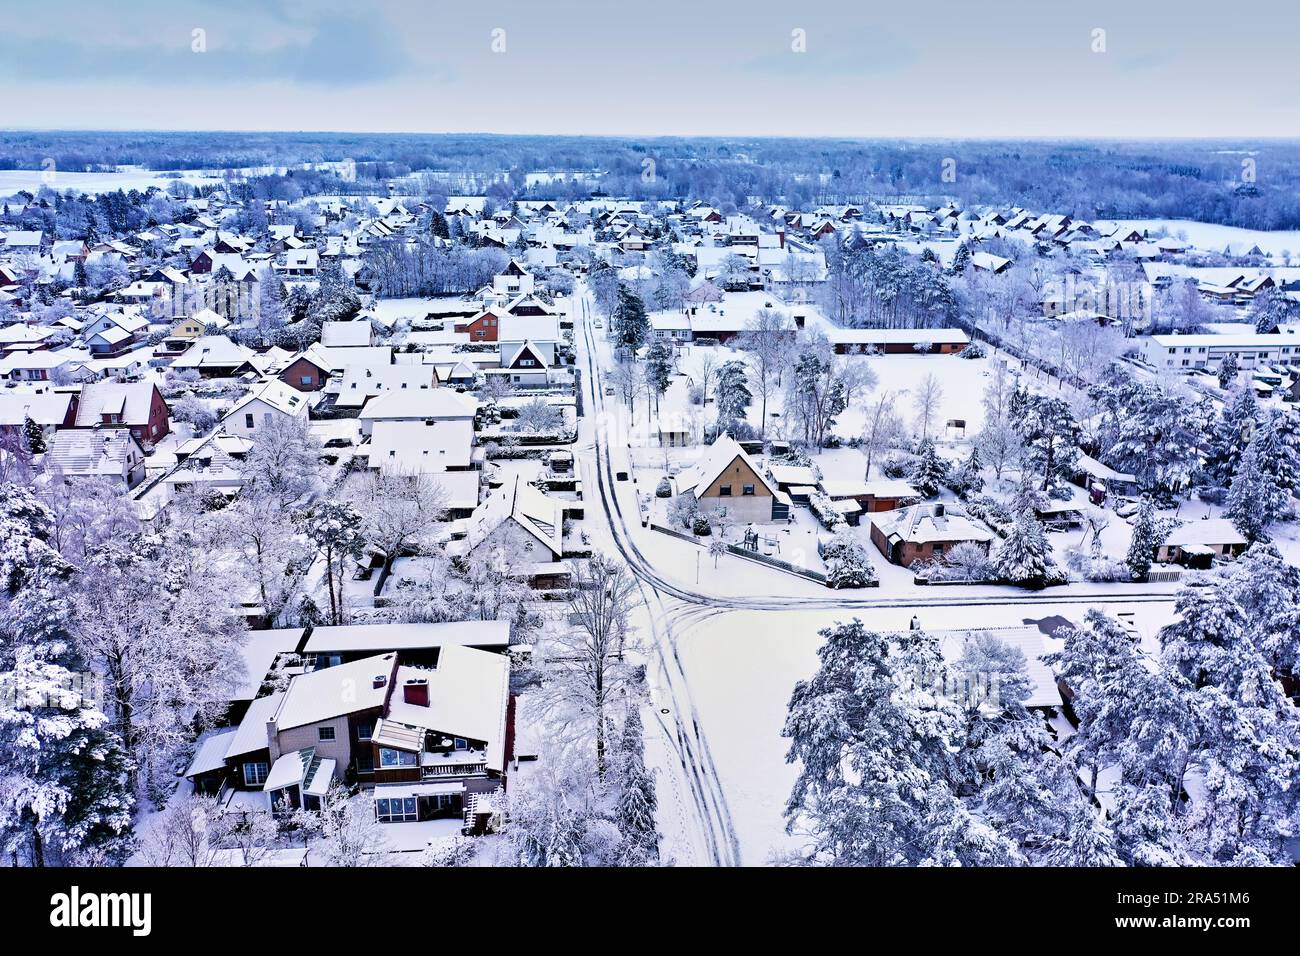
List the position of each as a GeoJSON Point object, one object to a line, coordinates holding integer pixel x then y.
{"type": "Point", "coordinates": [458, 763]}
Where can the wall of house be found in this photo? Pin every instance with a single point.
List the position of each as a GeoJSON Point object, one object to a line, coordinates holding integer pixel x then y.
{"type": "Point", "coordinates": [299, 738]}
{"type": "Point", "coordinates": [302, 369]}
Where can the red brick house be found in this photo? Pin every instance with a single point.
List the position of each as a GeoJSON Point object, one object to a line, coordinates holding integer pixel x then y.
{"type": "Point", "coordinates": [137, 405]}
{"type": "Point", "coordinates": [482, 327]}
{"type": "Point", "coordinates": [307, 373]}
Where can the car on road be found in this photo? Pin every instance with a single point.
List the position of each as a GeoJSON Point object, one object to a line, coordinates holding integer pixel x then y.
{"type": "Point", "coordinates": [599, 324]}
{"type": "Point", "coordinates": [609, 389]}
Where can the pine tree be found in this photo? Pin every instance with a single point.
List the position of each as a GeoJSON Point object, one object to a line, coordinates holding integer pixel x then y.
{"type": "Point", "coordinates": [1023, 557]}
{"type": "Point", "coordinates": [930, 470]}
{"type": "Point", "coordinates": [630, 322]}
{"type": "Point", "coordinates": [1230, 436]}
{"type": "Point", "coordinates": [1090, 841]}
{"type": "Point", "coordinates": [635, 809]}
{"type": "Point", "coordinates": [1228, 370]}
{"type": "Point", "coordinates": [1142, 549]}
{"type": "Point", "coordinates": [1249, 497]}
{"type": "Point", "coordinates": [732, 394]}
{"type": "Point", "coordinates": [34, 435]}
{"type": "Point", "coordinates": [1279, 462]}
{"type": "Point", "coordinates": [658, 369]}
{"type": "Point", "coordinates": [66, 799]}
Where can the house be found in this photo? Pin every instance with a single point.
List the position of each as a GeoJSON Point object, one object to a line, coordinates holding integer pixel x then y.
{"type": "Point", "coordinates": [49, 410]}
{"type": "Point", "coordinates": [419, 643]}
{"type": "Point", "coordinates": [898, 341]}
{"type": "Point", "coordinates": [1207, 351]}
{"type": "Point", "coordinates": [483, 327]}
{"type": "Point", "coordinates": [513, 280]}
{"type": "Point", "coordinates": [1198, 543]}
{"type": "Point", "coordinates": [137, 405]}
{"type": "Point", "coordinates": [262, 405]}
{"type": "Point", "coordinates": [987, 262]}
{"type": "Point", "coordinates": [727, 482]}
{"type": "Point", "coordinates": [308, 371]}
{"type": "Point", "coordinates": [213, 463]}
{"type": "Point", "coordinates": [871, 496]}
{"type": "Point", "coordinates": [923, 531]}
{"type": "Point", "coordinates": [361, 383]}
{"type": "Point", "coordinates": [422, 405]}
{"type": "Point", "coordinates": [109, 453]}
{"type": "Point", "coordinates": [216, 356]}
{"type": "Point", "coordinates": [517, 519]}
{"type": "Point", "coordinates": [427, 742]}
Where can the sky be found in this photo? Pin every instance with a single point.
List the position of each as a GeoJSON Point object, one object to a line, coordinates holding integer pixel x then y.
{"type": "Point", "coordinates": [924, 68]}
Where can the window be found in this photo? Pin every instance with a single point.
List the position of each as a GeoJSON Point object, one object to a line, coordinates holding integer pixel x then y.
{"type": "Point", "coordinates": [724, 491]}
{"type": "Point", "coordinates": [462, 743]}
{"type": "Point", "coordinates": [365, 729]}
{"type": "Point", "coordinates": [248, 420]}
{"type": "Point", "coordinates": [396, 810]}
{"type": "Point", "coordinates": [746, 489]}
{"type": "Point", "coordinates": [255, 773]}
{"type": "Point", "coordinates": [365, 762]}
{"type": "Point", "coordinates": [395, 758]}
{"type": "Point", "coordinates": [304, 380]}
{"type": "Point", "coordinates": [325, 733]}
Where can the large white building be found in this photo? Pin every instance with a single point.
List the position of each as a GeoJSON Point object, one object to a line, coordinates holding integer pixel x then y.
{"type": "Point", "coordinates": [1207, 351]}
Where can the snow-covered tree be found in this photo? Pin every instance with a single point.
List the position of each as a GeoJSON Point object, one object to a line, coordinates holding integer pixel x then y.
{"type": "Point", "coordinates": [1146, 538]}
{"type": "Point", "coordinates": [64, 794]}
{"type": "Point", "coordinates": [930, 470]}
{"type": "Point", "coordinates": [1230, 436]}
{"type": "Point", "coordinates": [732, 394]}
{"type": "Point", "coordinates": [1090, 842]}
{"type": "Point", "coordinates": [1250, 497]}
{"type": "Point", "coordinates": [874, 746]}
{"type": "Point", "coordinates": [635, 808]}
{"type": "Point", "coordinates": [335, 530]}
{"type": "Point", "coordinates": [1023, 557]}
{"type": "Point", "coordinates": [847, 563]}
{"type": "Point", "coordinates": [1228, 370]}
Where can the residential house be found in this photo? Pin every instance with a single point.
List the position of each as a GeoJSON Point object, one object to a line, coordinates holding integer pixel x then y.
{"type": "Point", "coordinates": [924, 531]}
{"type": "Point", "coordinates": [108, 453]}
{"type": "Point", "coordinates": [1198, 543]}
{"type": "Point", "coordinates": [262, 405]}
{"type": "Point", "coordinates": [726, 481]}
{"type": "Point", "coordinates": [137, 405]}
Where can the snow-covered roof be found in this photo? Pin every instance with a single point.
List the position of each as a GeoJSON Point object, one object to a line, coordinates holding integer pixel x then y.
{"type": "Point", "coordinates": [854, 488]}
{"type": "Point", "coordinates": [920, 524]}
{"type": "Point", "coordinates": [276, 395]}
{"type": "Point", "coordinates": [468, 697]}
{"type": "Point", "coordinates": [721, 454]}
{"type": "Point", "coordinates": [50, 408]}
{"type": "Point", "coordinates": [538, 514]}
{"type": "Point", "coordinates": [252, 729]}
{"type": "Point", "coordinates": [422, 403]}
{"type": "Point", "coordinates": [213, 351]}
{"type": "Point", "coordinates": [91, 451]}
{"type": "Point", "coordinates": [1206, 531]}
{"type": "Point", "coordinates": [1028, 640]}
{"type": "Point", "coordinates": [335, 691]}
{"type": "Point", "coordinates": [418, 447]}
{"type": "Point", "coordinates": [211, 752]}
{"type": "Point", "coordinates": [381, 638]}
{"type": "Point", "coordinates": [348, 334]}
{"type": "Point", "coordinates": [131, 400]}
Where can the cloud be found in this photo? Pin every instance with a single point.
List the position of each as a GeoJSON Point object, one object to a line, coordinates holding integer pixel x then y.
{"type": "Point", "coordinates": [340, 51]}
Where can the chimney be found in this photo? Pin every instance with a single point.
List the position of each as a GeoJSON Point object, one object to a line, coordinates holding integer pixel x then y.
{"type": "Point", "coordinates": [938, 511]}
{"type": "Point", "coordinates": [416, 691]}
{"type": "Point", "coordinates": [379, 681]}
{"type": "Point", "coordinates": [780, 238]}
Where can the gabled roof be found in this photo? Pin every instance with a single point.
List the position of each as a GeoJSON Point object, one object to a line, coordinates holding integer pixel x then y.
{"type": "Point", "coordinates": [719, 457]}
{"type": "Point", "coordinates": [131, 400]}
{"type": "Point", "coordinates": [538, 514]}
{"type": "Point", "coordinates": [920, 524]}
{"type": "Point", "coordinates": [436, 403]}
{"type": "Point", "coordinates": [91, 451]}
{"type": "Point", "coordinates": [512, 355]}
{"type": "Point", "coordinates": [335, 691]}
{"type": "Point", "coordinates": [276, 394]}
{"type": "Point", "coordinates": [213, 351]}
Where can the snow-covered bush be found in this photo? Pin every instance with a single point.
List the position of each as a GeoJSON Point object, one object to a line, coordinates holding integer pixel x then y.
{"type": "Point", "coordinates": [847, 564]}
{"type": "Point", "coordinates": [965, 562]}
{"type": "Point", "coordinates": [664, 489]}
{"type": "Point", "coordinates": [195, 411]}
{"type": "Point", "coordinates": [700, 526]}
{"type": "Point", "coordinates": [895, 467]}
{"type": "Point", "coordinates": [975, 350]}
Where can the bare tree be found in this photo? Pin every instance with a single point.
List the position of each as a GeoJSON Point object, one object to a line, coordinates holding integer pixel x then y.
{"type": "Point", "coordinates": [884, 429]}
{"type": "Point", "coordinates": [586, 662]}
{"type": "Point", "coordinates": [766, 340]}
{"type": "Point", "coordinates": [929, 393]}
{"type": "Point", "coordinates": [399, 512]}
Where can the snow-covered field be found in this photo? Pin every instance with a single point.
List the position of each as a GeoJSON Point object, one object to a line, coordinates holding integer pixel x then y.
{"type": "Point", "coordinates": [129, 177]}
{"type": "Point", "coordinates": [1213, 237]}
